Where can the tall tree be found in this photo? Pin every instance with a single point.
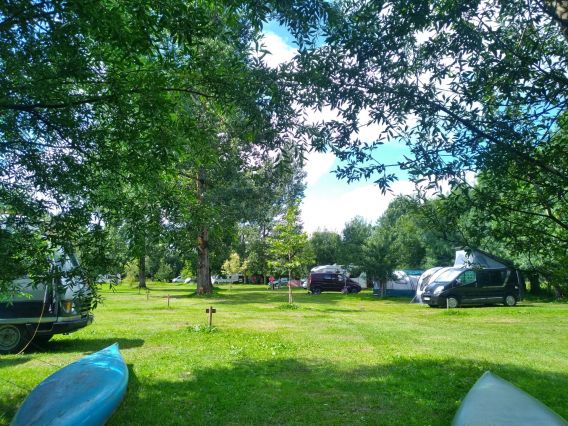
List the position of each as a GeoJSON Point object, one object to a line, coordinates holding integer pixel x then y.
{"type": "Point", "coordinates": [93, 93]}
{"type": "Point", "coordinates": [289, 247]}
{"type": "Point", "coordinates": [326, 246]}
{"type": "Point", "coordinates": [378, 257]}
{"type": "Point", "coordinates": [354, 235]}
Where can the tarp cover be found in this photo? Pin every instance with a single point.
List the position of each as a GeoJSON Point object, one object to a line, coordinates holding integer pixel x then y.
{"type": "Point", "coordinates": [477, 258]}
{"type": "Point", "coordinates": [494, 401]}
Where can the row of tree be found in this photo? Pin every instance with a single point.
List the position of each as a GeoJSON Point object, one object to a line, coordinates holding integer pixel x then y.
{"type": "Point", "coordinates": [158, 125]}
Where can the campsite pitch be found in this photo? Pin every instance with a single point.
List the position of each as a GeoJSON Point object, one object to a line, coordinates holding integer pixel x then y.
{"type": "Point", "coordinates": [328, 359]}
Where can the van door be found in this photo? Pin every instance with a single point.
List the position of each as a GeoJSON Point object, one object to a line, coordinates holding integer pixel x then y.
{"type": "Point", "coordinates": [328, 282]}
{"type": "Point", "coordinates": [466, 286]}
{"type": "Point", "coordinates": [491, 284]}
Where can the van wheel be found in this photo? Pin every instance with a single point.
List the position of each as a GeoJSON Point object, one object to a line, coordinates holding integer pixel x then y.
{"type": "Point", "coordinates": [452, 302]}
{"type": "Point", "coordinates": [12, 338]}
{"type": "Point", "coordinates": [510, 300]}
{"type": "Point", "coordinates": [316, 290]}
{"type": "Point", "coordinates": [354, 290]}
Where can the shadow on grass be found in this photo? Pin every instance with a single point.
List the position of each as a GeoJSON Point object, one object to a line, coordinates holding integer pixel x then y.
{"type": "Point", "coordinates": [289, 391]}
{"type": "Point", "coordinates": [82, 345]}
{"type": "Point", "coordinates": [11, 362]}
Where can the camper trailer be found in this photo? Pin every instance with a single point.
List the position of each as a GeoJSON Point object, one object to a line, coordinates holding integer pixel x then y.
{"type": "Point", "coordinates": [38, 311]}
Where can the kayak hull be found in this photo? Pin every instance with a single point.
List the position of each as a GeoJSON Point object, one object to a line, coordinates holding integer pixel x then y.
{"type": "Point", "coordinates": [86, 392]}
{"type": "Point", "coordinates": [494, 401]}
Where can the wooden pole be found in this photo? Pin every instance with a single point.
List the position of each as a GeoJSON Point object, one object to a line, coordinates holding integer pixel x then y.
{"type": "Point", "coordinates": [168, 301]}
{"type": "Point", "coordinates": [210, 316]}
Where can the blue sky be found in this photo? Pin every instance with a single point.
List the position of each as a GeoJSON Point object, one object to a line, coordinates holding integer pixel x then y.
{"type": "Point", "coordinates": [329, 202]}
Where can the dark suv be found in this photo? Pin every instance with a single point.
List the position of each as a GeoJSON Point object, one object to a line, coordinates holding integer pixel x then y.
{"type": "Point", "coordinates": [458, 286]}
{"type": "Point", "coordinates": [329, 281]}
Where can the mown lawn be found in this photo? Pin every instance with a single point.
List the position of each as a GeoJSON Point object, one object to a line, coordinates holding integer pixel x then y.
{"type": "Point", "coordinates": [334, 359]}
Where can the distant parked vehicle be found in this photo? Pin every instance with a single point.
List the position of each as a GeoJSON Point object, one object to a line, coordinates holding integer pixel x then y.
{"type": "Point", "coordinates": [280, 282]}
{"type": "Point", "coordinates": [178, 279]}
{"type": "Point", "coordinates": [227, 279]}
{"type": "Point", "coordinates": [109, 278]}
{"type": "Point", "coordinates": [329, 281]}
{"type": "Point", "coordinates": [188, 280]}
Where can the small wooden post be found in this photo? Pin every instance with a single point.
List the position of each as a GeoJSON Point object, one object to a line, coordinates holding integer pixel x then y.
{"type": "Point", "coordinates": [147, 294]}
{"type": "Point", "coordinates": [210, 310]}
{"type": "Point", "coordinates": [168, 301]}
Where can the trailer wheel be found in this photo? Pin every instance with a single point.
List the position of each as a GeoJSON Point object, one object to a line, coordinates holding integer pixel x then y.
{"type": "Point", "coordinates": [316, 290]}
{"type": "Point", "coordinates": [12, 338]}
{"type": "Point", "coordinates": [510, 300]}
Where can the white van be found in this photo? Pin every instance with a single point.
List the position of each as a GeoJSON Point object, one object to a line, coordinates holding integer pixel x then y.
{"type": "Point", "coordinates": [227, 279]}
{"type": "Point", "coordinates": [38, 312]}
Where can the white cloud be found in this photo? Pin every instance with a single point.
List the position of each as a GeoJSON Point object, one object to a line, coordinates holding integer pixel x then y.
{"type": "Point", "coordinates": [332, 210]}
{"type": "Point", "coordinates": [318, 164]}
{"type": "Point", "coordinates": [279, 51]}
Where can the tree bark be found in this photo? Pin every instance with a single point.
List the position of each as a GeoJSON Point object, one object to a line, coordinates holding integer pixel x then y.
{"type": "Point", "coordinates": [290, 300]}
{"type": "Point", "coordinates": [203, 271]}
{"type": "Point", "coordinates": [557, 292]}
{"type": "Point", "coordinates": [534, 279]}
{"type": "Point", "coordinates": [142, 270]}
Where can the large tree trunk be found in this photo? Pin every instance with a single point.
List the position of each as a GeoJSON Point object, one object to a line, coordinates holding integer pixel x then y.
{"type": "Point", "coordinates": [142, 271]}
{"type": "Point", "coordinates": [290, 299]}
{"type": "Point", "coordinates": [534, 279]}
{"type": "Point", "coordinates": [557, 292]}
{"type": "Point", "coordinates": [203, 272]}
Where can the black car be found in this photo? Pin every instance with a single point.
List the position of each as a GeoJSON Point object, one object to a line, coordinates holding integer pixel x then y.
{"type": "Point", "coordinates": [469, 286]}
{"type": "Point", "coordinates": [329, 281]}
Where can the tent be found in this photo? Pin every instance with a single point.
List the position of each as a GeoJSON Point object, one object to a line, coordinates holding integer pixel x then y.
{"type": "Point", "coordinates": [467, 258]}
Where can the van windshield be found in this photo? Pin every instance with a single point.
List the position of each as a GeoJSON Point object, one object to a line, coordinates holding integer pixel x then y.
{"type": "Point", "coordinates": [448, 276]}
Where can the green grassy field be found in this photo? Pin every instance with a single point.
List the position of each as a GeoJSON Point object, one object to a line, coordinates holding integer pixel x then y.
{"type": "Point", "coordinates": [331, 359]}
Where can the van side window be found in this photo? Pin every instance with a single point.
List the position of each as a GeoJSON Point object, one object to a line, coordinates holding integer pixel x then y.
{"type": "Point", "coordinates": [468, 277]}
{"type": "Point", "coordinates": [327, 277]}
{"type": "Point", "coordinates": [492, 278]}
{"type": "Point", "coordinates": [340, 278]}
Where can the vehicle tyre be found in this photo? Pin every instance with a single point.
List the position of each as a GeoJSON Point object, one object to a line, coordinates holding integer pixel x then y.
{"type": "Point", "coordinates": [354, 290]}
{"type": "Point", "coordinates": [452, 302]}
{"type": "Point", "coordinates": [12, 338]}
{"type": "Point", "coordinates": [316, 290]}
{"type": "Point", "coordinates": [510, 300]}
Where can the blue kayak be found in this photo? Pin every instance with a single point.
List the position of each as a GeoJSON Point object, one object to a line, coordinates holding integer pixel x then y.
{"type": "Point", "coordinates": [86, 392]}
{"type": "Point", "coordinates": [494, 401]}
